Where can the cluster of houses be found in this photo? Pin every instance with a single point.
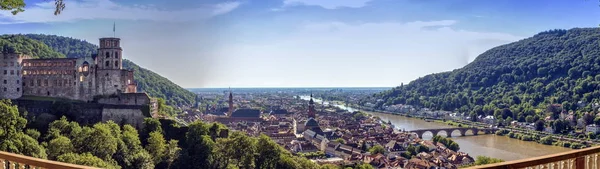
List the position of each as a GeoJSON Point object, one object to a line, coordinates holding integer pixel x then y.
{"type": "Point", "coordinates": [343, 137]}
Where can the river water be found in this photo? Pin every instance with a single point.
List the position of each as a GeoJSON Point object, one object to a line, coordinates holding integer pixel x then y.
{"type": "Point", "coordinates": [487, 145]}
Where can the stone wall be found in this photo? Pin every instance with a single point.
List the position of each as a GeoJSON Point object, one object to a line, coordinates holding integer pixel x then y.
{"type": "Point", "coordinates": [10, 75]}
{"type": "Point", "coordinates": [123, 115]}
{"type": "Point", "coordinates": [89, 113]}
{"type": "Point", "coordinates": [126, 99]}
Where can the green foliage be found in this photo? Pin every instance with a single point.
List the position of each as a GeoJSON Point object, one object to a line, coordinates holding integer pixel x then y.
{"type": "Point", "coordinates": [157, 146]}
{"type": "Point", "coordinates": [58, 146]}
{"type": "Point", "coordinates": [449, 143]}
{"type": "Point", "coordinates": [158, 86]}
{"type": "Point", "coordinates": [86, 159]}
{"type": "Point", "coordinates": [12, 136]}
{"type": "Point", "coordinates": [24, 45]}
{"type": "Point", "coordinates": [109, 145]}
{"type": "Point", "coordinates": [552, 67]}
{"type": "Point", "coordinates": [378, 149]}
{"type": "Point", "coordinates": [482, 160]}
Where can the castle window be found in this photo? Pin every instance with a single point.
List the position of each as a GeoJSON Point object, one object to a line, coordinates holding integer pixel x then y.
{"type": "Point", "coordinates": [117, 64]}
{"type": "Point", "coordinates": [12, 63]}
{"type": "Point", "coordinates": [107, 64]}
{"type": "Point", "coordinates": [107, 55]}
{"type": "Point", "coordinates": [12, 72]}
{"type": "Point", "coordinates": [17, 73]}
{"type": "Point", "coordinates": [45, 82]}
{"type": "Point", "coordinates": [4, 81]}
{"type": "Point", "coordinates": [31, 83]}
{"type": "Point", "coordinates": [79, 69]}
{"type": "Point", "coordinates": [39, 82]}
{"type": "Point", "coordinates": [5, 89]}
{"type": "Point", "coordinates": [18, 89]}
{"type": "Point", "coordinates": [18, 82]}
{"type": "Point", "coordinates": [81, 78]}
{"type": "Point", "coordinates": [85, 66]}
{"type": "Point", "coordinates": [59, 82]}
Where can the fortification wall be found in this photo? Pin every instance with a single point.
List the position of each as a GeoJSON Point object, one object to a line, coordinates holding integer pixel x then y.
{"type": "Point", "coordinates": [126, 99]}
{"type": "Point", "coordinates": [121, 115]}
{"type": "Point", "coordinates": [109, 82]}
{"type": "Point", "coordinates": [11, 79]}
{"type": "Point", "coordinates": [88, 113]}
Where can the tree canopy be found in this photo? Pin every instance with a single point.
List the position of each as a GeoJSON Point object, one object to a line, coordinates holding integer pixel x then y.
{"type": "Point", "coordinates": [16, 6]}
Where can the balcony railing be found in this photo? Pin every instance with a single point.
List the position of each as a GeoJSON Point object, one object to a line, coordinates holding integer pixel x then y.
{"type": "Point", "coordinates": [588, 158]}
{"type": "Point", "coordinates": [16, 161]}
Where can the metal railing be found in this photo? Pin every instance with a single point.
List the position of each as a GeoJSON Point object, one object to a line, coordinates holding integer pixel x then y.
{"type": "Point", "coordinates": [16, 161]}
{"type": "Point", "coordinates": [588, 158]}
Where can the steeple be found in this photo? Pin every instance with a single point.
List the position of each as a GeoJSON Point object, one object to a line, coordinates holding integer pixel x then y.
{"type": "Point", "coordinates": [230, 103]}
{"type": "Point", "coordinates": [311, 107]}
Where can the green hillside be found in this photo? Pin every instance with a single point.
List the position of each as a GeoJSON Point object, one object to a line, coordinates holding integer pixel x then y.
{"type": "Point", "coordinates": [21, 44]}
{"type": "Point", "coordinates": [52, 46]}
{"type": "Point", "coordinates": [556, 66]}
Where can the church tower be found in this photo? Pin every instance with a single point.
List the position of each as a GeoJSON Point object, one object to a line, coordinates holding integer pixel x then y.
{"type": "Point", "coordinates": [311, 107]}
{"type": "Point", "coordinates": [230, 103]}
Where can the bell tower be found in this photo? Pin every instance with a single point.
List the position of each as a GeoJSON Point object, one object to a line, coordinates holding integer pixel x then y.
{"type": "Point", "coordinates": [110, 54]}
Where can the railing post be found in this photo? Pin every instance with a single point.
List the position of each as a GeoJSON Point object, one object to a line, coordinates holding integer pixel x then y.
{"type": "Point", "coordinates": [580, 162]}
{"type": "Point", "coordinates": [2, 164]}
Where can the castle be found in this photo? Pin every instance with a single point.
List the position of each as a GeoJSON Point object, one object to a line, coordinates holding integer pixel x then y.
{"type": "Point", "coordinates": [98, 79]}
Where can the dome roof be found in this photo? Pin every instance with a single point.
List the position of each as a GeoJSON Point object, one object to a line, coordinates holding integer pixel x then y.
{"type": "Point", "coordinates": [311, 123]}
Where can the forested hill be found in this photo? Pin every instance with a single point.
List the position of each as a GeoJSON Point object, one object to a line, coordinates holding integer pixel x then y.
{"type": "Point", "coordinates": [52, 46]}
{"type": "Point", "coordinates": [556, 66]}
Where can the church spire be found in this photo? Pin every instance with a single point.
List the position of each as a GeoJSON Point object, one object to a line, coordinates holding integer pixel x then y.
{"type": "Point", "coordinates": [230, 103]}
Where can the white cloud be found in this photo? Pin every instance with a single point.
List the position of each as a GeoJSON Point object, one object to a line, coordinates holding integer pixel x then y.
{"type": "Point", "coordinates": [328, 4]}
{"type": "Point", "coordinates": [366, 54]}
{"type": "Point", "coordinates": [106, 9]}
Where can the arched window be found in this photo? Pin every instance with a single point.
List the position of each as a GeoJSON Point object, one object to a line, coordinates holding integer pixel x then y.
{"type": "Point", "coordinates": [86, 66]}
{"type": "Point", "coordinates": [107, 54]}
{"type": "Point", "coordinates": [107, 64]}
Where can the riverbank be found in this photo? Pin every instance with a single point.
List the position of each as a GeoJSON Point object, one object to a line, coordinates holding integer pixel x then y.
{"type": "Point", "coordinates": [515, 134]}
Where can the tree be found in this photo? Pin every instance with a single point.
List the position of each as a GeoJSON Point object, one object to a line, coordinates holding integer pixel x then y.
{"type": "Point", "coordinates": [529, 119]}
{"type": "Point", "coordinates": [59, 146]}
{"type": "Point", "coordinates": [340, 140]}
{"type": "Point", "coordinates": [539, 125]}
{"type": "Point", "coordinates": [16, 6]}
{"type": "Point", "coordinates": [588, 118]}
{"type": "Point", "coordinates": [481, 160]}
{"type": "Point", "coordinates": [378, 149]}
{"type": "Point", "coordinates": [364, 166]}
{"type": "Point", "coordinates": [84, 159]}
{"type": "Point", "coordinates": [12, 137]}
{"type": "Point", "coordinates": [269, 152]}
{"type": "Point", "coordinates": [156, 146]}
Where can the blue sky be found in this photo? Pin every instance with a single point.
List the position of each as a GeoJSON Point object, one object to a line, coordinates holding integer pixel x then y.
{"type": "Point", "coordinates": [302, 43]}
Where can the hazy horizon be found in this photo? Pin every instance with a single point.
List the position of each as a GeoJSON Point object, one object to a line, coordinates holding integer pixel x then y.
{"type": "Point", "coordinates": [307, 43]}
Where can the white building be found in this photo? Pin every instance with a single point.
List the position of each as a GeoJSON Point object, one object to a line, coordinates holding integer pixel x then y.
{"type": "Point", "coordinates": [592, 128]}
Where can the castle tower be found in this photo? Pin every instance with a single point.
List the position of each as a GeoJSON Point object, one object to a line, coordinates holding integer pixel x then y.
{"type": "Point", "coordinates": [110, 77]}
{"type": "Point", "coordinates": [311, 107]}
{"type": "Point", "coordinates": [109, 54]}
{"type": "Point", "coordinates": [230, 103]}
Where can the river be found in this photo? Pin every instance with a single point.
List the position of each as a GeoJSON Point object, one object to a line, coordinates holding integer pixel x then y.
{"type": "Point", "coordinates": [487, 145]}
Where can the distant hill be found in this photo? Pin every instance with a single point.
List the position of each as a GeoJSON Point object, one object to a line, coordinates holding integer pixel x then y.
{"type": "Point", "coordinates": [556, 66]}
{"type": "Point", "coordinates": [52, 46]}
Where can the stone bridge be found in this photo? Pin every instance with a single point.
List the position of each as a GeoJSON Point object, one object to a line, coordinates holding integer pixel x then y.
{"type": "Point", "coordinates": [448, 131]}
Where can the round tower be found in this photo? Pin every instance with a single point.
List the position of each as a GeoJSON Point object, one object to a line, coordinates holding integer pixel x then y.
{"type": "Point", "coordinates": [110, 54]}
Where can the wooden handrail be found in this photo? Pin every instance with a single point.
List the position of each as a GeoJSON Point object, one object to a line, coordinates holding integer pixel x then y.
{"type": "Point", "coordinates": [31, 161]}
{"type": "Point", "coordinates": [578, 155]}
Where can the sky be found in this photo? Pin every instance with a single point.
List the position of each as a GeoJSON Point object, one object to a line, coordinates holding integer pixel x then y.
{"type": "Point", "coordinates": [301, 43]}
